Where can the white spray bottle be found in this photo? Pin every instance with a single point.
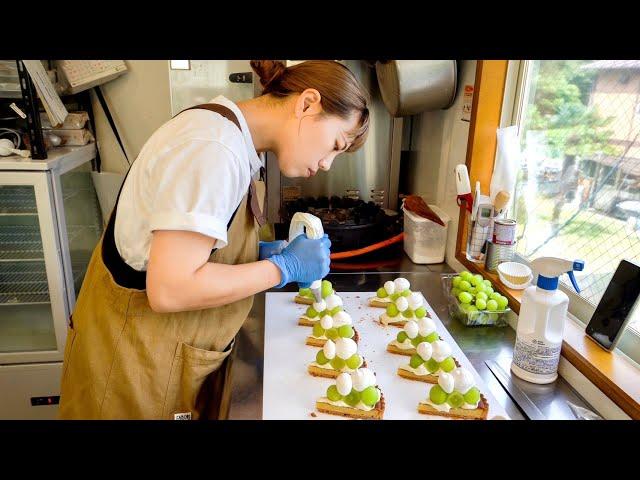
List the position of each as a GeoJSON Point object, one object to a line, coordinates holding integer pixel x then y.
{"type": "Point", "coordinates": [543, 310]}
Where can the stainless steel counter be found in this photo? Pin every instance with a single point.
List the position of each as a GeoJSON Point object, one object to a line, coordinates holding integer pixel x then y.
{"type": "Point", "coordinates": [488, 348]}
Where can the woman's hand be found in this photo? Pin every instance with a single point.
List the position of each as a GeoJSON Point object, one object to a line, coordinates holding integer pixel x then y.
{"type": "Point", "coordinates": [303, 260]}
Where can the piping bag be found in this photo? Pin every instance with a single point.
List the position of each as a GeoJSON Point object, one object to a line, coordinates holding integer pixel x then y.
{"type": "Point", "coordinates": [312, 226]}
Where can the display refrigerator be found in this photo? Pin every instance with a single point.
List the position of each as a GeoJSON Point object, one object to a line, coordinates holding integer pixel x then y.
{"type": "Point", "coordinates": [50, 222]}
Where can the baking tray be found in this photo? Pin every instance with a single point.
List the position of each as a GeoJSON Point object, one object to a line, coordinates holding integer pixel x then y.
{"type": "Point", "coordinates": [290, 392]}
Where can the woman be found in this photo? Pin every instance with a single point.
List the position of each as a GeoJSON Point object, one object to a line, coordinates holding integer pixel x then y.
{"type": "Point", "coordinates": [157, 314]}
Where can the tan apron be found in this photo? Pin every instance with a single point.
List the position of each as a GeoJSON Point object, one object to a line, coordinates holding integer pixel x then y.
{"type": "Point", "coordinates": [122, 360]}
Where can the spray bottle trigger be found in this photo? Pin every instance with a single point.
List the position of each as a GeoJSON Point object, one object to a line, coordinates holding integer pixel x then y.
{"type": "Point", "coordinates": [573, 281]}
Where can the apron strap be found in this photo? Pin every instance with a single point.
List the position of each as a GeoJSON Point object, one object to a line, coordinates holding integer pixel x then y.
{"type": "Point", "coordinates": [128, 277]}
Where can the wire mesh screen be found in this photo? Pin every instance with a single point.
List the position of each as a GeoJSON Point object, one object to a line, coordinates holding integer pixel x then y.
{"type": "Point", "coordinates": [578, 191]}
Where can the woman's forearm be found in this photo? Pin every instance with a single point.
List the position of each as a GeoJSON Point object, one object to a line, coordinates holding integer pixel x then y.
{"type": "Point", "coordinates": [180, 277]}
{"type": "Point", "coordinates": [216, 284]}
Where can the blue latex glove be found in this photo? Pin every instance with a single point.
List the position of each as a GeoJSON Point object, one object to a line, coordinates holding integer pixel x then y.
{"type": "Point", "coordinates": [268, 249]}
{"type": "Point", "coordinates": [303, 260]}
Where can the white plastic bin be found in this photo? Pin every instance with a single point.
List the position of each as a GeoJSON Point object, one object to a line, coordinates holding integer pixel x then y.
{"type": "Point", "coordinates": [425, 241]}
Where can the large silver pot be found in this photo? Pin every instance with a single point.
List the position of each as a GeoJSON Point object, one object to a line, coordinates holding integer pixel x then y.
{"type": "Point", "coordinates": [409, 87]}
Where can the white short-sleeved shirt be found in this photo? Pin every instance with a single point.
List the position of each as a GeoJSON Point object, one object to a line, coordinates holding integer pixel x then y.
{"type": "Point", "coordinates": [190, 175]}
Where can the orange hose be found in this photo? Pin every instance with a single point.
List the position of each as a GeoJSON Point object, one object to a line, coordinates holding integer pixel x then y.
{"type": "Point", "coordinates": [370, 248]}
{"type": "Point", "coordinates": [364, 266]}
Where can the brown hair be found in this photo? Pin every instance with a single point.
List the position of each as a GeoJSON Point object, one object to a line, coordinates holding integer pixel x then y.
{"type": "Point", "coordinates": [341, 93]}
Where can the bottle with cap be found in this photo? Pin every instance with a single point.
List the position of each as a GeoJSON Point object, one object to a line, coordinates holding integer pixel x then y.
{"type": "Point", "coordinates": [543, 310]}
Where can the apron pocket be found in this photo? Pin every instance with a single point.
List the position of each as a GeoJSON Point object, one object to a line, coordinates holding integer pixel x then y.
{"type": "Point", "coordinates": [191, 366]}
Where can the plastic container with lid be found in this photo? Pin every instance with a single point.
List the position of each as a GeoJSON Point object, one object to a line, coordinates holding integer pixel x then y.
{"type": "Point", "coordinates": [425, 241]}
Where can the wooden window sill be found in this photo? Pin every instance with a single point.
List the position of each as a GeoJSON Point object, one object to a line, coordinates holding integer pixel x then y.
{"type": "Point", "coordinates": [611, 372]}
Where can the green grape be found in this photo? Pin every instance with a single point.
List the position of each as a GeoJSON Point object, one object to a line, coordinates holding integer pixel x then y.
{"type": "Point", "coordinates": [406, 293]}
{"type": "Point", "coordinates": [394, 296]}
{"type": "Point", "coordinates": [464, 286]}
{"type": "Point", "coordinates": [392, 310]}
{"type": "Point", "coordinates": [332, 333]}
{"type": "Point", "coordinates": [370, 396]}
{"type": "Point", "coordinates": [472, 291]}
{"type": "Point", "coordinates": [447, 364]}
{"type": "Point", "coordinates": [415, 361]}
{"type": "Point", "coordinates": [465, 297]}
{"type": "Point", "coordinates": [455, 399]}
{"type": "Point", "coordinates": [494, 296]}
{"type": "Point", "coordinates": [345, 331]}
{"type": "Point", "coordinates": [488, 291]}
{"type": "Point", "coordinates": [487, 283]}
{"type": "Point", "coordinates": [326, 288]}
{"type": "Point", "coordinates": [431, 365]}
{"type": "Point", "coordinates": [437, 395]}
{"type": "Point", "coordinates": [318, 331]}
{"type": "Point", "coordinates": [320, 358]}
{"type": "Point", "coordinates": [481, 288]}
{"type": "Point", "coordinates": [335, 310]}
{"type": "Point", "coordinates": [415, 341]}
{"type": "Point", "coordinates": [455, 292]}
{"type": "Point", "coordinates": [420, 312]}
{"type": "Point", "coordinates": [479, 277]}
{"type": "Point", "coordinates": [475, 282]}
{"type": "Point", "coordinates": [311, 313]}
{"type": "Point", "coordinates": [466, 275]}
{"type": "Point", "coordinates": [472, 308]}
{"type": "Point", "coordinates": [408, 313]}
{"type": "Point", "coordinates": [472, 396]}
{"type": "Point", "coordinates": [402, 336]}
{"type": "Point", "coordinates": [304, 292]}
{"type": "Point", "coordinates": [432, 337]}
{"type": "Point", "coordinates": [353, 398]}
{"type": "Point", "coordinates": [502, 302]}
{"type": "Point", "coordinates": [492, 305]}
{"type": "Point", "coordinates": [481, 296]}
{"type": "Point", "coordinates": [337, 363]}
{"type": "Point", "coordinates": [382, 293]}
{"type": "Point", "coordinates": [456, 280]}
{"type": "Point", "coordinates": [354, 361]}
{"type": "Point", "coordinates": [333, 394]}
{"type": "Point", "coordinates": [481, 304]}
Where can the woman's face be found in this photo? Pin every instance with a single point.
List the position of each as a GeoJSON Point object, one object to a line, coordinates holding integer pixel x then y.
{"type": "Point", "coordinates": [311, 139]}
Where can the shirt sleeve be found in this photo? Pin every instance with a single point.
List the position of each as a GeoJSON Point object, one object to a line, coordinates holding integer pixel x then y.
{"type": "Point", "coordinates": [198, 185]}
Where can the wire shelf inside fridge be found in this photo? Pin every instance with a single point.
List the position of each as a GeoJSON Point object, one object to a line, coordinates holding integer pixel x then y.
{"type": "Point", "coordinates": [20, 242]}
{"type": "Point", "coordinates": [23, 283]}
{"type": "Point", "coordinates": [17, 200]}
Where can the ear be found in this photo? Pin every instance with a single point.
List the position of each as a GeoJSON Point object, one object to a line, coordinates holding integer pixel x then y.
{"type": "Point", "coordinates": [308, 103]}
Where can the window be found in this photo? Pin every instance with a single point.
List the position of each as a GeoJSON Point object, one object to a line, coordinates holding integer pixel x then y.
{"type": "Point", "coordinates": [578, 188]}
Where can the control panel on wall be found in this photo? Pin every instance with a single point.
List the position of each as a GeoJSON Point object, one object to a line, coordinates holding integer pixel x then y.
{"type": "Point", "coordinates": [81, 75]}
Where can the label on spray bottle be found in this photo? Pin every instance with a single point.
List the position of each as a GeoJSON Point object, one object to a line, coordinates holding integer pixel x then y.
{"type": "Point", "coordinates": [536, 356]}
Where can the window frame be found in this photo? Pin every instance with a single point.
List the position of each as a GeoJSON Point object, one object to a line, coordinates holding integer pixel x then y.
{"type": "Point", "coordinates": [581, 308]}
{"type": "Point", "coordinates": [497, 84]}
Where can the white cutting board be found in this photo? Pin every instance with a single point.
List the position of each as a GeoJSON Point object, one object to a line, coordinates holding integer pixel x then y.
{"type": "Point", "coordinates": [290, 392]}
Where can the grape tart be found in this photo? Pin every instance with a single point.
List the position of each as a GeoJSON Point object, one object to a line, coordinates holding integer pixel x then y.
{"type": "Point", "coordinates": [354, 395]}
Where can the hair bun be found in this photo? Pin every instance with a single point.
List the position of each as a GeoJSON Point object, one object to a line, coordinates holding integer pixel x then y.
{"type": "Point", "coordinates": [267, 70]}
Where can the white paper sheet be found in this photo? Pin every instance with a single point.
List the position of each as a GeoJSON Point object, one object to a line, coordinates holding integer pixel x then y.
{"type": "Point", "coordinates": [290, 392]}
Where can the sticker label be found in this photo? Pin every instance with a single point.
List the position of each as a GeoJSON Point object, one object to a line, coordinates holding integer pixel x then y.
{"type": "Point", "coordinates": [536, 356]}
{"type": "Point", "coordinates": [467, 101]}
{"type": "Point", "coordinates": [182, 416]}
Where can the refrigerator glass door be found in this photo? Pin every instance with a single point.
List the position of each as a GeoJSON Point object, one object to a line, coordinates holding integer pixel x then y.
{"type": "Point", "coordinates": [80, 224]}
{"type": "Point", "coordinates": [32, 303]}
{"type": "Point", "coordinates": [205, 80]}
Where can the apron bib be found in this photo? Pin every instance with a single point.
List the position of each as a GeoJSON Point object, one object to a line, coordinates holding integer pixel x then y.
{"type": "Point", "coordinates": [122, 360]}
